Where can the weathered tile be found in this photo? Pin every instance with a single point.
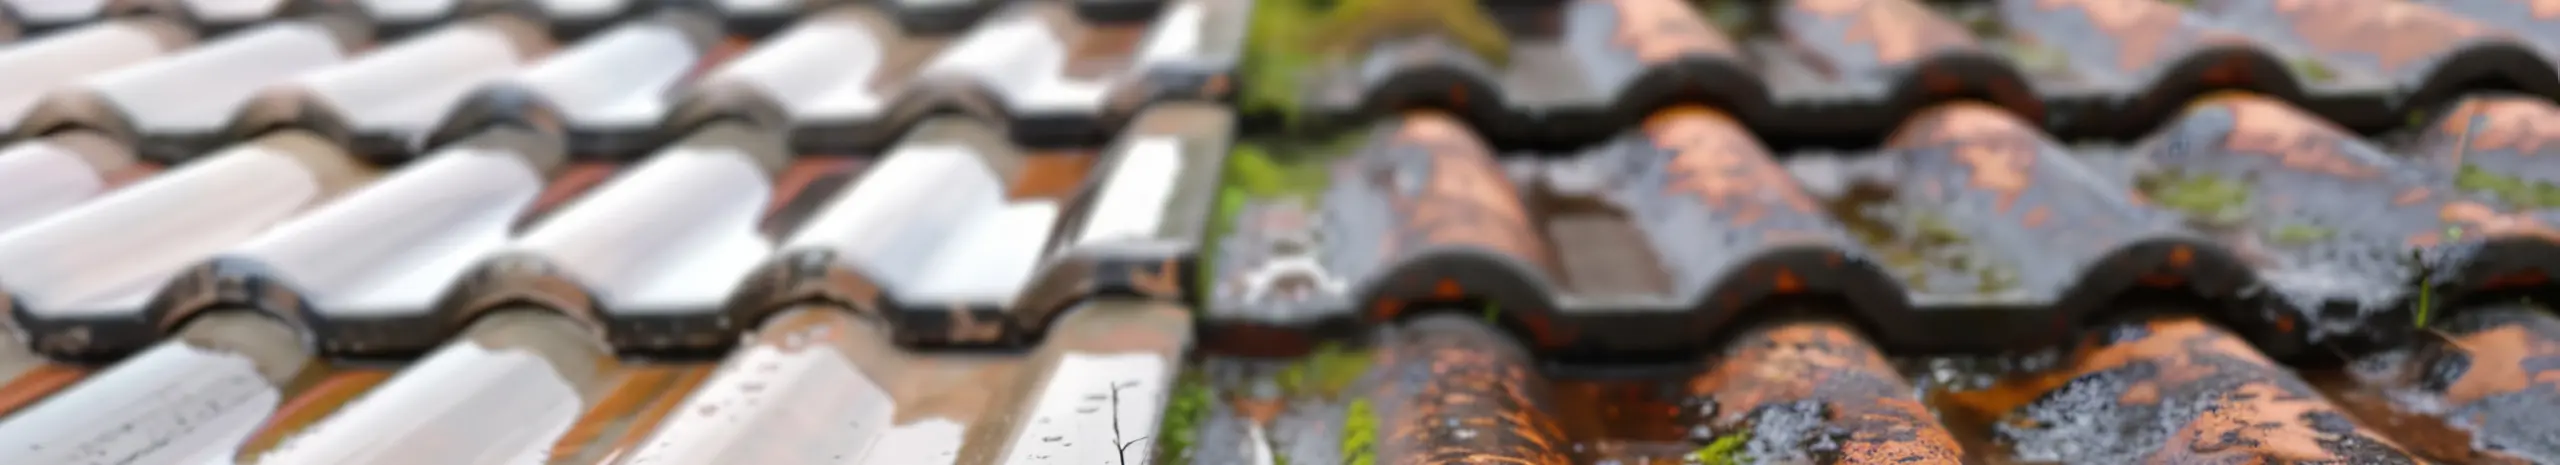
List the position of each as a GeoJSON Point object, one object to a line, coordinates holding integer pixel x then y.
{"type": "Point", "coordinates": [1810, 390]}
{"type": "Point", "coordinates": [949, 236]}
{"type": "Point", "coordinates": [2468, 395]}
{"type": "Point", "coordinates": [2180, 390]}
{"type": "Point", "coordinates": [2443, 54]}
{"type": "Point", "coordinates": [2342, 233]}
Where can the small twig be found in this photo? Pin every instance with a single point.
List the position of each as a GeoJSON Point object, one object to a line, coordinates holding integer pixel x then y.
{"type": "Point", "coordinates": [1115, 425]}
{"type": "Point", "coordinates": [1124, 451]}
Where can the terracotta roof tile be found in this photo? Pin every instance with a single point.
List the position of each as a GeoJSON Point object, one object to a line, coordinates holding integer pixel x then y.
{"type": "Point", "coordinates": [1256, 232]}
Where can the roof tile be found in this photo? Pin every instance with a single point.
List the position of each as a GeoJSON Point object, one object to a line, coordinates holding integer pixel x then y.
{"type": "Point", "coordinates": [1621, 231]}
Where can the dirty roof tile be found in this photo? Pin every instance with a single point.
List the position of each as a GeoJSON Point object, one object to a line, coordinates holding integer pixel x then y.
{"type": "Point", "coordinates": [1454, 390]}
{"type": "Point", "coordinates": [1972, 218]}
{"type": "Point", "coordinates": [2175, 390]}
{"type": "Point", "coordinates": [1822, 71]}
{"type": "Point", "coordinates": [955, 242]}
{"type": "Point", "coordinates": [1609, 231]}
{"type": "Point", "coordinates": [2465, 396]}
{"type": "Point", "coordinates": [1813, 389]}
{"type": "Point", "coordinates": [824, 384]}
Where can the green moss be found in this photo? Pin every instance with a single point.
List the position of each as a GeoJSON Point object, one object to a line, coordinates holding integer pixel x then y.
{"type": "Point", "coordinates": [1735, 18]}
{"type": "Point", "coordinates": [1994, 279]}
{"type": "Point", "coordinates": [1183, 413]}
{"type": "Point", "coordinates": [1327, 372]}
{"type": "Point", "coordinates": [2206, 199]}
{"type": "Point", "coordinates": [1984, 22]}
{"type": "Point", "coordinates": [1359, 434]}
{"type": "Point", "coordinates": [1222, 218]}
{"type": "Point", "coordinates": [1357, 23]}
{"type": "Point", "coordinates": [1725, 450]}
{"type": "Point", "coordinates": [1916, 244]}
{"type": "Point", "coordinates": [2299, 234]}
{"type": "Point", "coordinates": [1264, 170]}
{"type": "Point", "coordinates": [1275, 57]}
{"type": "Point", "coordinates": [2514, 191]}
{"type": "Point", "coordinates": [2312, 70]}
{"type": "Point", "coordinates": [1288, 38]}
{"type": "Point", "coordinates": [1274, 170]}
{"type": "Point", "coordinates": [2036, 59]}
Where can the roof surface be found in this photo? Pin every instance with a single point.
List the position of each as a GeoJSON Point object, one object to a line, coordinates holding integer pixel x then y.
{"type": "Point", "coordinates": [1279, 232]}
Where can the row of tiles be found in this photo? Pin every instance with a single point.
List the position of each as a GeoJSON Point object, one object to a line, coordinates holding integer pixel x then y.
{"type": "Point", "coordinates": [818, 384]}
{"type": "Point", "coordinates": [279, 234]}
{"type": "Point", "coordinates": [846, 79]}
{"type": "Point", "coordinates": [2333, 270]}
{"type": "Point", "coordinates": [286, 117]}
{"type": "Point", "coordinates": [1554, 74]}
{"type": "Point", "coordinates": [1969, 231]}
{"type": "Point", "coordinates": [569, 18]}
{"type": "Point", "coordinates": [955, 235]}
{"type": "Point", "coordinates": [1538, 74]}
{"type": "Point", "coordinates": [476, 254]}
{"type": "Point", "coordinates": [824, 384]}
{"type": "Point", "coordinates": [1804, 387]}
{"type": "Point", "coordinates": [230, 280]}
{"type": "Point", "coordinates": [249, 378]}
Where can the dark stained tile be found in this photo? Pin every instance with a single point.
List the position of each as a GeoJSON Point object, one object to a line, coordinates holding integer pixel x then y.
{"type": "Point", "coordinates": [1823, 71]}
{"type": "Point", "coordinates": [2172, 390]}
{"type": "Point", "coordinates": [2467, 394]}
{"type": "Point", "coordinates": [1456, 390]}
{"type": "Point", "coordinates": [1812, 390]}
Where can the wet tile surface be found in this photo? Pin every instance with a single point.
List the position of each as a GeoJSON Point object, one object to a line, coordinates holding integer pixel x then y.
{"type": "Point", "coordinates": [1247, 232]}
